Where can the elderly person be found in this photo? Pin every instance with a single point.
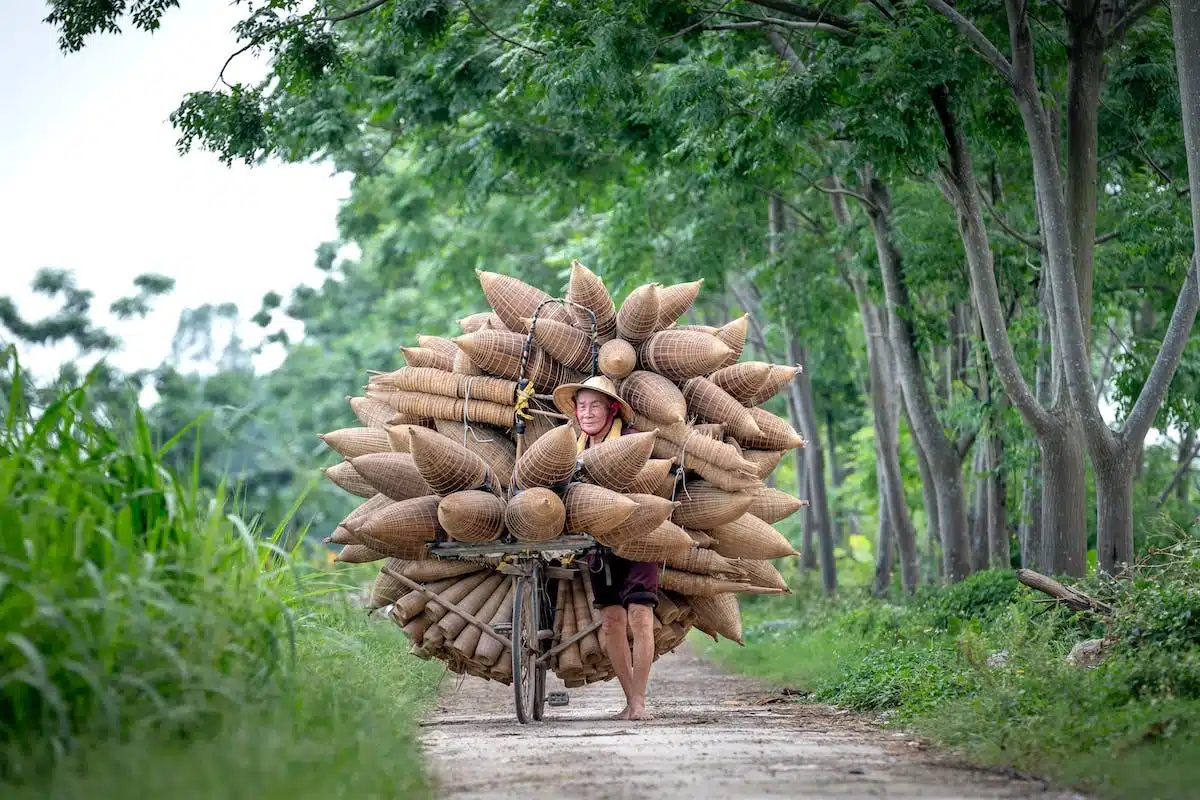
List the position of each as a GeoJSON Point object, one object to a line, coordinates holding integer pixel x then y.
{"type": "Point", "coordinates": [626, 591]}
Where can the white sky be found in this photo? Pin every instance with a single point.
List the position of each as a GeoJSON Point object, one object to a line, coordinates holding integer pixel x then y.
{"type": "Point", "coordinates": [90, 179]}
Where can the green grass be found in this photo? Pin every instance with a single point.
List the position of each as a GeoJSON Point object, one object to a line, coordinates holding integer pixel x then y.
{"type": "Point", "coordinates": [1127, 729]}
{"type": "Point", "coordinates": [152, 643]}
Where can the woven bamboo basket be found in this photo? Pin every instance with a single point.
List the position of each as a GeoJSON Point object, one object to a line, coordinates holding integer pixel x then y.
{"type": "Point", "coordinates": [742, 380]}
{"type": "Point", "coordinates": [410, 607]}
{"type": "Point", "coordinates": [418, 405]}
{"type": "Point", "coordinates": [657, 545]}
{"type": "Point", "coordinates": [549, 462]}
{"type": "Point", "coordinates": [589, 645]}
{"type": "Point", "coordinates": [463, 365]}
{"type": "Point", "coordinates": [535, 515]}
{"type": "Point", "coordinates": [347, 477]}
{"type": "Point", "coordinates": [358, 554]}
{"type": "Point", "coordinates": [719, 613]}
{"type": "Point", "coordinates": [695, 445]}
{"type": "Point", "coordinates": [341, 535]}
{"type": "Point", "coordinates": [705, 562]}
{"type": "Point", "coordinates": [472, 516]}
{"type": "Point", "coordinates": [617, 358]}
{"type": "Point", "coordinates": [709, 329]}
{"type": "Point", "coordinates": [369, 506]}
{"type": "Point", "coordinates": [398, 438]}
{"type": "Point", "coordinates": [776, 433]}
{"type": "Point", "coordinates": [570, 661]}
{"type": "Point", "coordinates": [763, 573]}
{"type": "Point", "coordinates": [371, 413]}
{"type": "Point", "coordinates": [713, 404]}
{"type": "Point", "coordinates": [654, 397]}
{"type": "Point", "coordinates": [675, 300]}
{"type": "Point", "coordinates": [482, 320]}
{"type": "Point", "coordinates": [435, 611]}
{"type": "Point", "coordinates": [733, 334]}
{"type": "Point", "coordinates": [638, 315]}
{"type": "Point", "coordinates": [538, 427]}
{"type": "Point", "coordinates": [693, 585]}
{"type": "Point", "coordinates": [703, 507]}
{"type": "Point", "coordinates": [424, 357]}
{"type": "Point", "coordinates": [437, 570]}
{"type": "Point", "coordinates": [401, 530]}
{"type": "Point", "coordinates": [495, 352]}
{"type": "Point", "coordinates": [667, 609]}
{"type": "Point", "coordinates": [489, 650]}
{"type": "Point", "coordinates": [489, 443]}
{"type": "Point", "coordinates": [765, 461]}
{"type": "Point", "coordinates": [680, 355]}
{"type": "Point", "coordinates": [467, 642]}
{"type": "Point", "coordinates": [750, 537]}
{"type": "Point", "coordinates": [651, 512]}
{"type": "Point", "coordinates": [616, 464]}
{"type": "Point", "coordinates": [513, 299]}
{"type": "Point", "coordinates": [588, 290]}
{"type": "Point", "coordinates": [594, 509]}
{"type": "Point", "coordinates": [771, 505]}
{"type": "Point", "coordinates": [438, 343]}
{"type": "Point", "coordinates": [651, 477]}
{"type": "Point", "coordinates": [725, 479]}
{"type": "Point", "coordinates": [565, 343]}
{"type": "Point", "coordinates": [350, 442]}
{"type": "Point", "coordinates": [447, 384]}
{"type": "Point", "coordinates": [700, 538]}
{"type": "Point", "coordinates": [446, 465]}
{"type": "Point", "coordinates": [393, 474]}
{"type": "Point", "coordinates": [779, 377]}
{"type": "Point", "coordinates": [385, 589]}
{"type": "Point", "coordinates": [711, 430]}
{"type": "Point", "coordinates": [453, 623]}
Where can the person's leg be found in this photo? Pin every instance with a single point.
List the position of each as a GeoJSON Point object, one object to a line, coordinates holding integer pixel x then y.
{"type": "Point", "coordinates": [641, 621]}
{"type": "Point", "coordinates": [616, 645]}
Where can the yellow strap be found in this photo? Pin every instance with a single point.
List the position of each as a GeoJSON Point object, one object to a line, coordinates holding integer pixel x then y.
{"type": "Point", "coordinates": [523, 398]}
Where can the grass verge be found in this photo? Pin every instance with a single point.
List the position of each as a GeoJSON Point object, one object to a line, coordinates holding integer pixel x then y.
{"type": "Point", "coordinates": [980, 668]}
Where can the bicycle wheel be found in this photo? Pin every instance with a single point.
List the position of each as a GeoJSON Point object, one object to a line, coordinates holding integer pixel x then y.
{"type": "Point", "coordinates": [539, 674]}
{"type": "Point", "coordinates": [525, 624]}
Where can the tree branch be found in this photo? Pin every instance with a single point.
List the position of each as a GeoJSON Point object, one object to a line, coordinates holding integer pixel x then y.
{"type": "Point", "coordinates": [1107, 237]}
{"type": "Point", "coordinates": [779, 23]}
{"type": "Point", "coordinates": [479, 21]}
{"type": "Point", "coordinates": [810, 14]}
{"type": "Point", "coordinates": [1137, 425]}
{"type": "Point", "coordinates": [1131, 15]}
{"type": "Point", "coordinates": [848, 193]}
{"type": "Point", "coordinates": [1178, 476]}
{"type": "Point", "coordinates": [1029, 242]}
{"type": "Point", "coordinates": [988, 50]}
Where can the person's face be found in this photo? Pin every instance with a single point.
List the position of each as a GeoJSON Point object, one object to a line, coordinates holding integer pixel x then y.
{"type": "Point", "coordinates": [592, 410]}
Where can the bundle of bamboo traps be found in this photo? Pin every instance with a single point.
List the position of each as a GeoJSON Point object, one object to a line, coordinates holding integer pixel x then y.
{"type": "Point", "coordinates": [464, 443]}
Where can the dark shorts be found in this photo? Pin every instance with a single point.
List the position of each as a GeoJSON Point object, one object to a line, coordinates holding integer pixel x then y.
{"type": "Point", "coordinates": [626, 582]}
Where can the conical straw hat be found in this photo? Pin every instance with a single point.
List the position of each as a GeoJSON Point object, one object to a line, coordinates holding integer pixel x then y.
{"type": "Point", "coordinates": [371, 413]}
{"type": "Point", "coordinates": [350, 442]}
{"type": "Point", "coordinates": [616, 464]}
{"type": "Point", "coordinates": [733, 334]}
{"type": "Point", "coordinates": [588, 290]}
{"type": "Point", "coordinates": [771, 505]}
{"type": "Point", "coordinates": [654, 397]}
{"type": "Point", "coordinates": [750, 537]}
{"type": "Point", "coordinates": [719, 613]}
{"type": "Point", "coordinates": [657, 545]}
{"type": "Point", "coordinates": [446, 465]}
{"type": "Point", "coordinates": [564, 343]}
{"type": "Point", "coordinates": [564, 395]}
{"type": "Point", "coordinates": [638, 316]}
{"type": "Point", "coordinates": [513, 299]}
{"type": "Point", "coordinates": [358, 554]}
{"type": "Point", "coordinates": [675, 300]}
{"type": "Point", "coordinates": [347, 477]}
{"type": "Point", "coordinates": [393, 474]}
{"type": "Point", "coordinates": [489, 443]}
{"type": "Point", "coordinates": [742, 380]}
{"type": "Point", "coordinates": [424, 357]}
{"type": "Point", "coordinates": [535, 515]}
{"type": "Point", "coordinates": [550, 461]}
{"type": "Point", "coordinates": [713, 404]}
{"type": "Point", "coordinates": [651, 512]}
{"type": "Point", "coordinates": [650, 477]}
{"type": "Point", "coordinates": [617, 358]}
{"type": "Point", "coordinates": [472, 516]}
{"type": "Point", "coordinates": [779, 378]}
{"type": "Point", "coordinates": [594, 509]}
{"type": "Point", "coordinates": [777, 434]}
{"type": "Point", "coordinates": [680, 355]}
{"type": "Point", "coordinates": [402, 529]}
{"type": "Point", "coordinates": [704, 507]}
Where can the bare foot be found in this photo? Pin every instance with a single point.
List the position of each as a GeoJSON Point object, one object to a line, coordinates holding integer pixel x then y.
{"type": "Point", "coordinates": [625, 712]}
{"type": "Point", "coordinates": [639, 712]}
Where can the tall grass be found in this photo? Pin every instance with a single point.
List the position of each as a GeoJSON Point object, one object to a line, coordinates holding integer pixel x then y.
{"type": "Point", "coordinates": [142, 623]}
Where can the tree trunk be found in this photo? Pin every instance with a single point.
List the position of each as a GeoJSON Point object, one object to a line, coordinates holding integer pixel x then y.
{"type": "Point", "coordinates": [808, 551]}
{"type": "Point", "coordinates": [998, 547]}
{"type": "Point", "coordinates": [1064, 505]}
{"type": "Point", "coordinates": [1185, 19]}
{"type": "Point", "coordinates": [944, 461]}
{"type": "Point", "coordinates": [929, 497]}
{"type": "Point", "coordinates": [1031, 516]}
{"type": "Point", "coordinates": [884, 542]}
{"type": "Point", "coordinates": [1114, 510]}
{"type": "Point", "coordinates": [1186, 454]}
{"type": "Point", "coordinates": [979, 516]}
{"type": "Point", "coordinates": [836, 475]}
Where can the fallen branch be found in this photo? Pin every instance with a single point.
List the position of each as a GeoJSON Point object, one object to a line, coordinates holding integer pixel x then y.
{"type": "Point", "coordinates": [1071, 598]}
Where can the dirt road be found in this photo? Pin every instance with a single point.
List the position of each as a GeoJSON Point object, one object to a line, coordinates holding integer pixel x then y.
{"type": "Point", "coordinates": [714, 736]}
